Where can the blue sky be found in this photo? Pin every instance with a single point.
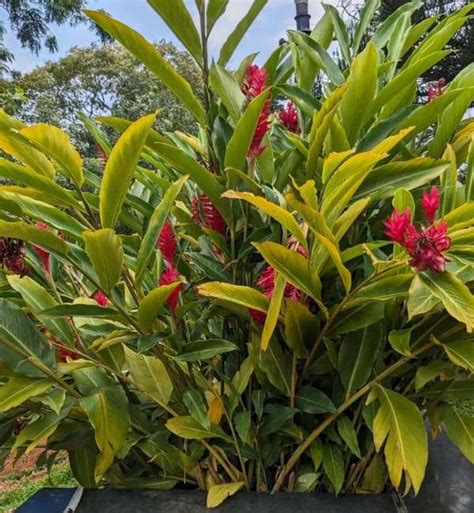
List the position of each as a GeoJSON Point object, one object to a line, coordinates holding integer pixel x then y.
{"type": "Point", "coordinates": [271, 25]}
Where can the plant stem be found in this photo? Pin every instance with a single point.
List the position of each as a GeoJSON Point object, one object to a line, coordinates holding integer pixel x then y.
{"type": "Point", "coordinates": [341, 409]}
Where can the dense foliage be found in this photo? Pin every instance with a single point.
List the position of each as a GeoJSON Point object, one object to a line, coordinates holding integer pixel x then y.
{"type": "Point", "coordinates": [275, 303]}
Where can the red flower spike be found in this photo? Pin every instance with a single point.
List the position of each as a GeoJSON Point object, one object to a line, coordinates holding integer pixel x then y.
{"type": "Point", "coordinates": [12, 256]}
{"type": "Point", "coordinates": [396, 226]}
{"type": "Point", "coordinates": [63, 352]}
{"type": "Point", "coordinates": [101, 299]}
{"type": "Point", "coordinates": [169, 276]}
{"type": "Point", "coordinates": [256, 147]}
{"type": "Point", "coordinates": [167, 243]}
{"type": "Point", "coordinates": [430, 202]}
{"type": "Point", "coordinates": [207, 215]}
{"type": "Point", "coordinates": [255, 81]}
{"type": "Point", "coordinates": [289, 118]}
{"type": "Point", "coordinates": [43, 254]}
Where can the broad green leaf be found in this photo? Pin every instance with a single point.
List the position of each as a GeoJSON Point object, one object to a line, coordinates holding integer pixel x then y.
{"type": "Point", "coordinates": [454, 294]}
{"type": "Point", "coordinates": [227, 88]}
{"type": "Point", "coordinates": [153, 60]}
{"type": "Point", "coordinates": [194, 403]}
{"type": "Point", "coordinates": [417, 31]}
{"type": "Point", "coordinates": [461, 353]}
{"type": "Point", "coordinates": [205, 349]}
{"type": "Point", "coordinates": [375, 477]}
{"type": "Point", "coordinates": [217, 494]}
{"type": "Point", "coordinates": [312, 400]}
{"type": "Point", "coordinates": [149, 375]}
{"type": "Point", "coordinates": [54, 143]}
{"type": "Point", "coordinates": [120, 168]}
{"type": "Point", "coordinates": [429, 372]}
{"type": "Point", "coordinates": [382, 289]}
{"type": "Point", "coordinates": [357, 356]}
{"type": "Point", "coordinates": [273, 210]}
{"type": "Point", "coordinates": [18, 390]}
{"type": "Point", "coordinates": [105, 251]}
{"type": "Point", "coordinates": [155, 225]}
{"type": "Point", "coordinates": [237, 294]}
{"type": "Point", "coordinates": [403, 200]}
{"type": "Point", "coordinates": [189, 429]}
{"type": "Point", "coordinates": [179, 20]}
{"type": "Point", "coordinates": [276, 417]}
{"type": "Point", "coordinates": [241, 140]}
{"type": "Point", "coordinates": [243, 421]}
{"type": "Point", "coordinates": [37, 432]}
{"type": "Point", "coordinates": [233, 40]}
{"type": "Point", "coordinates": [385, 180]}
{"type": "Point", "coordinates": [273, 313]}
{"type": "Point", "coordinates": [13, 144]}
{"type": "Point", "coordinates": [361, 90]}
{"type": "Point", "coordinates": [44, 185]}
{"type": "Point", "coordinates": [348, 217]}
{"type": "Point", "coordinates": [33, 235]}
{"type": "Point", "coordinates": [17, 329]}
{"type": "Point", "coordinates": [460, 429]}
{"type": "Point", "coordinates": [108, 413]}
{"type": "Point", "coordinates": [385, 30]}
{"type": "Point", "coordinates": [400, 341]}
{"type": "Point", "coordinates": [341, 31]}
{"type": "Point", "coordinates": [78, 310]}
{"type": "Point", "coordinates": [333, 464]}
{"type": "Point", "coordinates": [54, 400]}
{"type": "Point", "coordinates": [399, 424]}
{"type": "Point", "coordinates": [39, 299]}
{"type": "Point", "coordinates": [277, 367]}
{"type": "Point", "coordinates": [153, 303]}
{"type": "Point", "coordinates": [366, 14]}
{"type": "Point", "coordinates": [215, 9]}
{"type": "Point", "coordinates": [420, 298]}
{"type": "Point", "coordinates": [358, 317]}
{"type": "Point", "coordinates": [301, 327]}
{"type": "Point", "coordinates": [294, 267]}
{"type": "Point", "coordinates": [348, 433]}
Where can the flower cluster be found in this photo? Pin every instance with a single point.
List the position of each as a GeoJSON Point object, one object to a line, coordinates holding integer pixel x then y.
{"type": "Point", "coordinates": [207, 215]}
{"type": "Point", "coordinates": [435, 91]}
{"type": "Point", "coordinates": [426, 244]}
{"type": "Point", "coordinates": [289, 118]}
{"type": "Point", "coordinates": [254, 84]}
{"type": "Point", "coordinates": [12, 256]}
{"type": "Point", "coordinates": [101, 299]}
{"type": "Point", "coordinates": [167, 245]}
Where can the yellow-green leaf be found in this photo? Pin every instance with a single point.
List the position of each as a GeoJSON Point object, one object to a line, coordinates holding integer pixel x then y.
{"type": "Point", "coordinates": [461, 353]}
{"type": "Point", "coordinates": [271, 319]}
{"type": "Point", "coordinates": [33, 235]}
{"type": "Point", "coordinates": [237, 294]}
{"type": "Point", "coordinates": [18, 390]}
{"type": "Point", "coordinates": [217, 494]}
{"type": "Point", "coordinates": [152, 304]}
{"type": "Point", "coordinates": [460, 429]}
{"type": "Point", "coordinates": [189, 429]}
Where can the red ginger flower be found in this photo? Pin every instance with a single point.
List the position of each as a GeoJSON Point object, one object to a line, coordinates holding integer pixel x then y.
{"type": "Point", "coordinates": [430, 203]}
{"type": "Point", "coordinates": [436, 91]}
{"type": "Point", "coordinates": [207, 215]}
{"type": "Point", "coordinates": [255, 81]}
{"type": "Point", "coordinates": [256, 147]}
{"type": "Point", "coordinates": [101, 299]}
{"type": "Point", "coordinates": [289, 118]}
{"type": "Point", "coordinates": [43, 254]}
{"type": "Point", "coordinates": [167, 243]}
{"type": "Point", "coordinates": [169, 276]}
{"type": "Point", "coordinates": [396, 226]}
{"type": "Point", "coordinates": [12, 256]}
{"type": "Point", "coordinates": [63, 352]}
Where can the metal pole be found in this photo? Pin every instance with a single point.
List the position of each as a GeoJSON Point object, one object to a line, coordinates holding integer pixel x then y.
{"type": "Point", "coordinates": [302, 16]}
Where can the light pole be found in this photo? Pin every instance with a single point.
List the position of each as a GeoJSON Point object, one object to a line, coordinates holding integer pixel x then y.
{"type": "Point", "coordinates": [302, 16]}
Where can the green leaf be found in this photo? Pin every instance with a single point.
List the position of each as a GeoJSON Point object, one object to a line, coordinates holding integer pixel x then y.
{"type": "Point", "coordinates": [108, 413]}
{"type": "Point", "coordinates": [17, 329]}
{"type": "Point", "coordinates": [276, 417]}
{"type": "Point", "coordinates": [429, 372]}
{"type": "Point", "coordinates": [348, 434]}
{"type": "Point", "coordinates": [78, 310]}
{"type": "Point", "coordinates": [454, 294]}
{"type": "Point", "coordinates": [227, 88]}
{"type": "Point", "coordinates": [461, 353]}
{"type": "Point", "coordinates": [237, 294]}
{"type": "Point", "coordinates": [153, 303]}
{"type": "Point", "coordinates": [194, 402]}
{"type": "Point", "coordinates": [277, 367]}
{"type": "Point", "coordinates": [217, 494]}
{"type": "Point", "coordinates": [18, 390]}
{"type": "Point", "coordinates": [400, 341]}
{"type": "Point", "coordinates": [358, 317]}
{"type": "Point", "coordinates": [189, 429]}
{"type": "Point", "coordinates": [37, 432]}
{"type": "Point", "coordinates": [243, 421]}
{"type": "Point", "coordinates": [39, 299]}
{"type": "Point", "coordinates": [341, 31]}
{"type": "Point", "coordinates": [54, 143]}
{"type": "Point", "coordinates": [294, 267]}
{"type": "Point", "coordinates": [120, 168]}
{"type": "Point", "coordinates": [301, 327]}
{"type": "Point", "coordinates": [333, 464]}
{"type": "Point", "coordinates": [205, 349]}
{"type": "Point", "coordinates": [241, 140]}
{"type": "Point", "coordinates": [399, 424]}
{"type": "Point", "coordinates": [273, 210]}
{"type": "Point", "coordinates": [312, 400]}
{"type": "Point", "coordinates": [357, 356]}
{"type": "Point", "coordinates": [239, 32]}
{"type": "Point", "coordinates": [150, 375]}
{"type": "Point", "coordinates": [153, 60]}
{"type": "Point", "coordinates": [155, 226]}
{"type": "Point", "coordinates": [366, 15]}
{"type": "Point", "coordinates": [215, 9]}
{"type": "Point", "coordinates": [460, 429]}
{"type": "Point", "coordinates": [420, 298]}
{"type": "Point", "coordinates": [382, 289]}
{"type": "Point", "coordinates": [105, 251]}
{"type": "Point", "coordinates": [49, 188]}
{"type": "Point", "coordinates": [402, 200]}
{"type": "Point", "coordinates": [273, 314]}
{"type": "Point", "coordinates": [33, 235]}
{"type": "Point", "coordinates": [360, 92]}
{"type": "Point", "coordinates": [179, 20]}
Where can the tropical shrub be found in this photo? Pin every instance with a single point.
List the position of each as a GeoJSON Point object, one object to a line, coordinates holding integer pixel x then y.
{"type": "Point", "coordinates": [274, 304]}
